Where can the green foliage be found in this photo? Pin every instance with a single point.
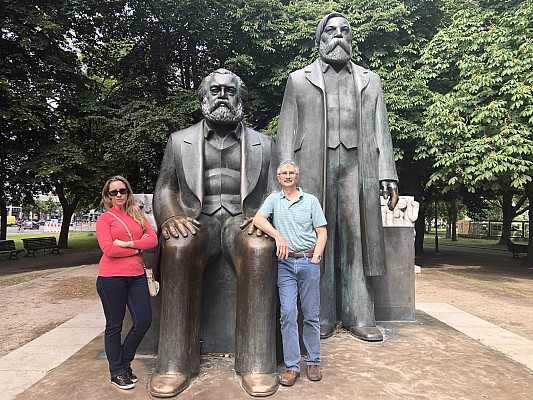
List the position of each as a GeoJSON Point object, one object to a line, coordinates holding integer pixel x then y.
{"type": "Point", "coordinates": [93, 88]}
{"type": "Point", "coordinates": [142, 128]}
{"type": "Point", "coordinates": [479, 126]}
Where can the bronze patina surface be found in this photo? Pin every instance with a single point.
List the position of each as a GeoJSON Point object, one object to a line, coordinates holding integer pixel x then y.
{"type": "Point", "coordinates": [213, 178]}
{"type": "Point", "coordinates": [334, 125]}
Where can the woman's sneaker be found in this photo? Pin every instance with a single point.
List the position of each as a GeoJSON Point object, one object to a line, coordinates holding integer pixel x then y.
{"type": "Point", "coordinates": [122, 381]}
{"type": "Point", "coordinates": [129, 373]}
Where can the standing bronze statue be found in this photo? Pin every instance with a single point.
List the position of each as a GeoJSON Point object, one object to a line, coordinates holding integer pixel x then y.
{"type": "Point", "coordinates": [213, 179]}
{"type": "Point", "coordinates": [334, 124]}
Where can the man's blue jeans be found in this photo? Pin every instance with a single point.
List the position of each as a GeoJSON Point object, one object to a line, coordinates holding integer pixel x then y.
{"type": "Point", "coordinates": [117, 292]}
{"type": "Point", "coordinates": [299, 276]}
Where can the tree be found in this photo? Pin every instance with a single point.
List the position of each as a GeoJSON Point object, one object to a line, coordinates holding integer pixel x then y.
{"type": "Point", "coordinates": [390, 37]}
{"type": "Point", "coordinates": [480, 121]}
{"type": "Point", "coordinates": [33, 61]}
{"type": "Point", "coordinates": [114, 78]}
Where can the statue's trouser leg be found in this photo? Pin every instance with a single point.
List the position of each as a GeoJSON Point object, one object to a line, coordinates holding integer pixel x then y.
{"type": "Point", "coordinates": [357, 300]}
{"type": "Point", "coordinates": [182, 266]}
{"type": "Point", "coordinates": [252, 256]}
{"type": "Point", "coordinates": [328, 309]}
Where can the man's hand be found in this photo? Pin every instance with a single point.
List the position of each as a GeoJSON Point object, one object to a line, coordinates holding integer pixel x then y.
{"type": "Point", "coordinates": [177, 226]}
{"type": "Point", "coordinates": [282, 248]}
{"type": "Point", "coordinates": [390, 191]}
{"type": "Point", "coordinates": [251, 227]}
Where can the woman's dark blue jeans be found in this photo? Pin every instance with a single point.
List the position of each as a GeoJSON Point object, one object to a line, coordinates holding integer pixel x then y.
{"type": "Point", "coordinates": [117, 292]}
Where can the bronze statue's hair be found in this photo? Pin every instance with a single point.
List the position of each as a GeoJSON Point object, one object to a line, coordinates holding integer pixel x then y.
{"type": "Point", "coordinates": [204, 86]}
{"type": "Point", "coordinates": [296, 167]}
{"type": "Point", "coordinates": [322, 25]}
{"type": "Point", "coordinates": [131, 207]}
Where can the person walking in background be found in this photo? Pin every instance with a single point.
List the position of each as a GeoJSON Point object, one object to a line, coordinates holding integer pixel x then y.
{"type": "Point", "coordinates": [122, 233]}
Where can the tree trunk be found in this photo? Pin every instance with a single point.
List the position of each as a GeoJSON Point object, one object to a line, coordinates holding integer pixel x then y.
{"type": "Point", "coordinates": [420, 228]}
{"type": "Point", "coordinates": [68, 211]}
{"type": "Point", "coordinates": [508, 215]}
{"type": "Point", "coordinates": [453, 220]}
{"type": "Point", "coordinates": [186, 73]}
{"type": "Point", "coordinates": [3, 213]}
{"type": "Point", "coordinates": [529, 192]}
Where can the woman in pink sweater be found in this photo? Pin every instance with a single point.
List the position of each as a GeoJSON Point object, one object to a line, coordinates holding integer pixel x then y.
{"type": "Point", "coordinates": [123, 232]}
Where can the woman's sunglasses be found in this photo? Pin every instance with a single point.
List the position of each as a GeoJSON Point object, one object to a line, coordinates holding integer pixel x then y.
{"type": "Point", "coordinates": [113, 193]}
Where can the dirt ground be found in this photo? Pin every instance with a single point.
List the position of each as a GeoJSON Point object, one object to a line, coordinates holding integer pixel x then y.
{"type": "Point", "coordinates": [489, 284]}
{"type": "Point", "coordinates": [34, 303]}
{"type": "Point", "coordinates": [486, 283]}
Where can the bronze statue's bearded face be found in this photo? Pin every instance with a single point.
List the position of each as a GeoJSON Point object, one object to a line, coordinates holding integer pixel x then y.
{"type": "Point", "coordinates": [221, 101]}
{"type": "Point", "coordinates": [335, 45]}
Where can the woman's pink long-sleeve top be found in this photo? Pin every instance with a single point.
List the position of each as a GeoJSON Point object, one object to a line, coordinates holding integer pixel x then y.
{"type": "Point", "coordinates": [121, 261]}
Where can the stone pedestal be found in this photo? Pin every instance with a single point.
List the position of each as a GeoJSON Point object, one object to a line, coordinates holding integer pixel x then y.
{"type": "Point", "coordinates": [219, 308]}
{"type": "Point", "coordinates": [394, 293]}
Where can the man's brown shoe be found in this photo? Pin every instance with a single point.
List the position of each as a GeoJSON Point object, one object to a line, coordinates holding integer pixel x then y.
{"type": "Point", "coordinates": [313, 372]}
{"type": "Point", "coordinates": [289, 377]}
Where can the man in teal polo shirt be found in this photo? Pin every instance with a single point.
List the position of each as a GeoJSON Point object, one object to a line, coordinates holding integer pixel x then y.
{"type": "Point", "coordinates": [299, 229]}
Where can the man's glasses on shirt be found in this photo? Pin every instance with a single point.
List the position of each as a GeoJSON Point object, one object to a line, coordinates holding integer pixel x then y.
{"type": "Point", "coordinates": [113, 193]}
{"type": "Point", "coordinates": [285, 173]}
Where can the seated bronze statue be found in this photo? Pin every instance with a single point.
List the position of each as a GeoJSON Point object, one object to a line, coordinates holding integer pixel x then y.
{"type": "Point", "coordinates": [213, 179]}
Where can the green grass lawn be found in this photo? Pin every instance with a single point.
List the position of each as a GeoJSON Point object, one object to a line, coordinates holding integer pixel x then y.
{"type": "Point", "coordinates": [80, 241]}
{"type": "Point", "coordinates": [469, 242]}
{"type": "Point", "coordinates": [77, 241]}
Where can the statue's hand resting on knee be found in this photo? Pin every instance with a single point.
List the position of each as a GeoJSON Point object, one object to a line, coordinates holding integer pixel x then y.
{"type": "Point", "coordinates": [176, 226]}
{"type": "Point", "coordinates": [251, 227]}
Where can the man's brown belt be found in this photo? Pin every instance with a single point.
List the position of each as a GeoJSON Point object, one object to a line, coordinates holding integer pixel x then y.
{"type": "Point", "coordinates": [302, 254]}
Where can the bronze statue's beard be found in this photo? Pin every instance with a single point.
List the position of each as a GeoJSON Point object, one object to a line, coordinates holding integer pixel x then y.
{"type": "Point", "coordinates": [336, 51]}
{"type": "Point", "coordinates": [219, 114]}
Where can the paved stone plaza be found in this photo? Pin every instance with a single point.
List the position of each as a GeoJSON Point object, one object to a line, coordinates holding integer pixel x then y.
{"type": "Point", "coordinates": [445, 354]}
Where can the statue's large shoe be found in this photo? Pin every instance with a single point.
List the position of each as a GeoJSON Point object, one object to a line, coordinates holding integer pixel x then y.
{"type": "Point", "coordinates": [260, 385]}
{"type": "Point", "coordinates": [367, 333]}
{"type": "Point", "coordinates": [326, 330]}
{"type": "Point", "coordinates": [169, 384]}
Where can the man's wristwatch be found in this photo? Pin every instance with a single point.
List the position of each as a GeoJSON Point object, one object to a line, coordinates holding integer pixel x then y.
{"type": "Point", "coordinates": [318, 256]}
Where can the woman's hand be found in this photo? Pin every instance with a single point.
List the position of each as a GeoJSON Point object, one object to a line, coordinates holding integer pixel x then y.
{"type": "Point", "coordinates": [121, 243]}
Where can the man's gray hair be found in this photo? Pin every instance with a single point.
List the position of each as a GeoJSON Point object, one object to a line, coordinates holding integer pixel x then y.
{"type": "Point", "coordinates": [322, 25]}
{"type": "Point", "coordinates": [289, 163]}
{"type": "Point", "coordinates": [204, 86]}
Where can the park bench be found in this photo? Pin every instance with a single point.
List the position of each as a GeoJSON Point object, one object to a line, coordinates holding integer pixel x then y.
{"type": "Point", "coordinates": [8, 247]}
{"type": "Point", "coordinates": [41, 243]}
{"type": "Point", "coordinates": [516, 248]}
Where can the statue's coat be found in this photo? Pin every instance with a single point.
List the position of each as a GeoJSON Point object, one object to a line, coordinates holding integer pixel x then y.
{"type": "Point", "coordinates": [302, 136]}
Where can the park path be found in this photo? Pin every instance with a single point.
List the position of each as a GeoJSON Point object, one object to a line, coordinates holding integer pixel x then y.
{"type": "Point", "coordinates": [486, 283]}
{"type": "Point", "coordinates": [489, 284]}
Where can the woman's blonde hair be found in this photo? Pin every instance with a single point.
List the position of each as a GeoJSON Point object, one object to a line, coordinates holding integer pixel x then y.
{"type": "Point", "coordinates": [131, 208]}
